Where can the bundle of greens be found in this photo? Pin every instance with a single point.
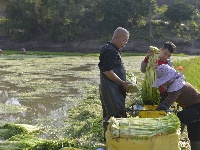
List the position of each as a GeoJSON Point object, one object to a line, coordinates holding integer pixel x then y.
{"type": "Point", "coordinates": [132, 86]}
{"type": "Point", "coordinates": [150, 95]}
{"type": "Point", "coordinates": [145, 127]}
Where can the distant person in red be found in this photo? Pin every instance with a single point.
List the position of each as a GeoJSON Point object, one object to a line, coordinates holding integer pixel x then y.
{"type": "Point", "coordinates": [163, 58]}
{"type": "Point", "coordinates": [1, 51]}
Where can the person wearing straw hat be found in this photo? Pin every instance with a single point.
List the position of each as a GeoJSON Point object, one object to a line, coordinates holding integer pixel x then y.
{"type": "Point", "coordinates": [185, 95]}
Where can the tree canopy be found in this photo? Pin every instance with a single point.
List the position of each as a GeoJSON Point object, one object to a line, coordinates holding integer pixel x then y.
{"type": "Point", "coordinates": [66, 20]}
{"type": "Point", "coordinates": [180, 12]}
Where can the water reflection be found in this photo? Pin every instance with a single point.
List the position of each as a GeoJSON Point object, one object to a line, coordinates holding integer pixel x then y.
{"type": "Point", "coordinates": [8, 100]}
{"type": "Point", "coordinates": [48, 109]}
{"type": "Point", "coordinates": [12, 101]}
{"type": "Point", "coordinates": [37, 108]}
{"type": "Point", "coordinates": [86, 67]}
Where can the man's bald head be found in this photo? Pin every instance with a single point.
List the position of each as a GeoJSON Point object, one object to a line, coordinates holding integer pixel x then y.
{"type": "Point", "coordinates": [120, 37]}
{"type": "Point", "coordinates": [120, 31]}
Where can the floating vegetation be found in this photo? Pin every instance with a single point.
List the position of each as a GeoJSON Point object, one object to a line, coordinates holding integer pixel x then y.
{"type": "Point", "coordinates": [23, 136]}
{"type": "Point", "coordinates": [4, 108]}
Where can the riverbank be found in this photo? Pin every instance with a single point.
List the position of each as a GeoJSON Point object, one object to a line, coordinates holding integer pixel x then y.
{"type": "Point", "coordinates": [92, 46]}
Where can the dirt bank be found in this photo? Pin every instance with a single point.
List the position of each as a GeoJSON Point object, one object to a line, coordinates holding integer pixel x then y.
{"type": "Point", "coordinates": [183, 46]}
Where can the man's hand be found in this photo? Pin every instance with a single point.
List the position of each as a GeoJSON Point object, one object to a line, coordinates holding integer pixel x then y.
{"type": "Point", "coordinates": [162, 106]}
{"type": "Point", "coordinates": [113, 77]}
{"type": "Point", "coordinates": [124, 85]}
{"type": "Point", "coordinates": [149, 54]}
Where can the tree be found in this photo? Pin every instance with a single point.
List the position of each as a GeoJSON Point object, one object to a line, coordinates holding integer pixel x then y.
{"type": "Point", "coordinates": [21, 19]}
{"type": "Point", "coordinates": [123, 13]}
{"type": "Point", "coordinates": [179, 12]}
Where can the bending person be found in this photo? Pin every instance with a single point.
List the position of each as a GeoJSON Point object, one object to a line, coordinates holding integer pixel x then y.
{"type": "Point", "coordinates": [186, 96]}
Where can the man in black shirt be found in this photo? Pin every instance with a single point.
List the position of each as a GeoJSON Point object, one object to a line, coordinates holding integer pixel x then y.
{"type": "Point", "coordinates": [113, 84]}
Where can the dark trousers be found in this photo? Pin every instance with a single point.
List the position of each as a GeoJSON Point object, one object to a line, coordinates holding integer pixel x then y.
{"type": "Point", "coordinates": [191, 117]}
{"type": "Point", "coordinates": [109, 105]}
{"type": "Point", "coordinates": [190, 114]}
{"type": "Point", "coordinates": [194, 131]}
{"type": "Point", "coordinates": [194, 135]}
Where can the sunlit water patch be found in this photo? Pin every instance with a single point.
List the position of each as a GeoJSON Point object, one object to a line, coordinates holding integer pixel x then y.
{"type": "Point", "coordinates": [39, 91]}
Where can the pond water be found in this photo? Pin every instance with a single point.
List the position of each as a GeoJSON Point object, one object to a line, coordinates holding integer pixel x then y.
{"type": "Point", "coordinates": [40, 91]}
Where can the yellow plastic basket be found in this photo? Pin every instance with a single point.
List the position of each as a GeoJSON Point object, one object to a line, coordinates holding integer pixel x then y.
{"type": "Point", "coordinates": [151, 114]}
{"type": "Point", "coordinates": [149, 111]}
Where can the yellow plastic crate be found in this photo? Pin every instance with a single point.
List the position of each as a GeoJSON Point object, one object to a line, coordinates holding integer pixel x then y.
{"type": "Point", "coordinates": [151, 114]}
{"type": "Point", "coordinates": [149, 107]}
{"type": "Point", "coordinates": [149, 111]}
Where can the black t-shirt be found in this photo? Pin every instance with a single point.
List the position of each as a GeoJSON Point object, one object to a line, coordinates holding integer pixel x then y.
{"type": "Point", "coordinates": [110, 57]}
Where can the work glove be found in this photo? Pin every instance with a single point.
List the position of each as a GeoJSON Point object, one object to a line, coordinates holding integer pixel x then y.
{"type": "Point", "coordinates": [163, 106]}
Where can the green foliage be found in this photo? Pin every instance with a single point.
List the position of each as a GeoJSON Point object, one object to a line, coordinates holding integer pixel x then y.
{"type": "Point", "coordinates": [67, 20]}
{"type": "Point", "coordinates": [9, 130]}
{"type": "Point", "coordinates": [20, 141]}
{"type": "Point", "coordinates": [159, 27]}
{"type": "Point", "coordinates": [194, 29]}
{"type": "Point", "coordinates": [32, 142]}
{"type": "Point", "coordinates": [11, 109]}
{"type": "Point", "coordinates": [131, 77]}
{"type": "Point", "coordinates": [160, 11]}
{"type": "Point", "coordinates": [21, 19]}
{"type": "Point", "coordinates": [124, 13]}
{"type": "Point", "coordinates": [27, 139]}
{"type": "Point", "coordinates": [21, 137]}
{"type": "Point", "coordinates": [11, 53]}
{"type": "Point", "coordinates": [53, 145]}
{"type": "Point", "coordinates": [190, 71]}
{"type": "Point", "coordinates": [180, 11]}
{"type": "Point", "coordinates": [86, 120]}
{"type": "Point", "coordinates": [7, 145]}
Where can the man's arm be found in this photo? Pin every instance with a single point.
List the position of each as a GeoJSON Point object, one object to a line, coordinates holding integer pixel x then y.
{"type": "Point", "coordinates": [145, 61]}
{"type": "Point", "coordinates": [170, 99]}
{"type": "Point", "coordinates": [143, 67]}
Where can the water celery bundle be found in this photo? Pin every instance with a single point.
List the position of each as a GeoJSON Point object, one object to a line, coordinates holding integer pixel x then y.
{"type": "Point", "coordinates": [144, 127]}
{"type": "Point", "coordinates": [150, 95]}
{"type": "Point", "coordinates": [132, 86]}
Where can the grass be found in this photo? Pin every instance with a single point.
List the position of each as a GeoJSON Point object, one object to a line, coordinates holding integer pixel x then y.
{"type": "Point", "coordinates": [43, 53]}
{"type": "Point", "coordinates": [190, 71]}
